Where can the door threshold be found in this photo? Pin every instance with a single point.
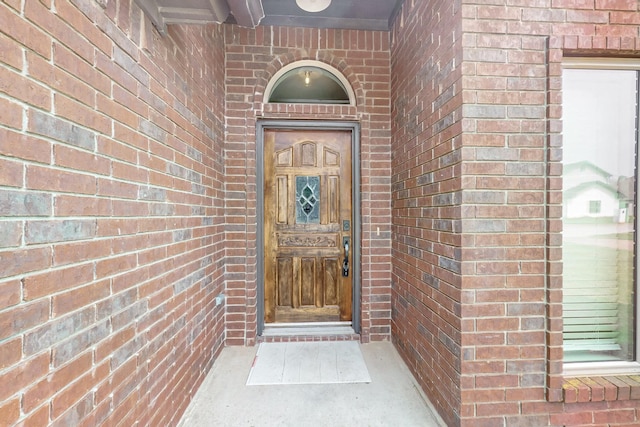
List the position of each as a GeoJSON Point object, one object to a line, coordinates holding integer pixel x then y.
{"type": "Point", "coordinates": [308, 329]}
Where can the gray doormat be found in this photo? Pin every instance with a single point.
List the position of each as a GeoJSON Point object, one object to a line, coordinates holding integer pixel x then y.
{"type": "Point", "coordinates": [329, 362]}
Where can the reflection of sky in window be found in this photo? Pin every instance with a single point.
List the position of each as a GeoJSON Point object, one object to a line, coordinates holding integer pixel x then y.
{"type": "Point", "coordinates": [599, 115]}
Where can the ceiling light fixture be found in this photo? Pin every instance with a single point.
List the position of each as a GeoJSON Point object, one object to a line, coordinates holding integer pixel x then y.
{"type": "Point", "coordinates": [313, 5]}
{"type": "Point", "coordinates": [307, 78]}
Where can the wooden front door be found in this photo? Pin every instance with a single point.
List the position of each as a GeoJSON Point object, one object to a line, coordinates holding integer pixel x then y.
{"type": "Point", "coordinates": [307, 226]}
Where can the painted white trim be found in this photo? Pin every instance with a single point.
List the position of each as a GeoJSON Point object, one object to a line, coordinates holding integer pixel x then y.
{"type": "Point", "coordinates": [590, 369]}
{"type": "Point", "coordinates": [602, 63]}
{"type": "Point", "coordinates": [309, 63]}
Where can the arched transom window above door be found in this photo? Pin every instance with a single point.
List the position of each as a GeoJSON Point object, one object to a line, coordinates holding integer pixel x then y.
{"type": "Point", "coordinates": [309, 82]}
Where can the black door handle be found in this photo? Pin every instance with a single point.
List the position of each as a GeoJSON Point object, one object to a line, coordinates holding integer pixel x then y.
{"type": "Point", "coordinates": [345, 262]}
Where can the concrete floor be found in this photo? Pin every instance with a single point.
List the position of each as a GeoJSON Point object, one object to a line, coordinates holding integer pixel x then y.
{"type": "Point", "coordinates": [391, 399]}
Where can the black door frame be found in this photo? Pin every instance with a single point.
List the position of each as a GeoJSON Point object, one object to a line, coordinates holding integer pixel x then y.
{"type": "Point", "coordinates": [356, 200]}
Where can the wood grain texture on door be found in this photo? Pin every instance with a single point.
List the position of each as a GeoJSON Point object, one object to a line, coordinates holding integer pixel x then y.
{"type": "Point", "coordinates": [307, 219]}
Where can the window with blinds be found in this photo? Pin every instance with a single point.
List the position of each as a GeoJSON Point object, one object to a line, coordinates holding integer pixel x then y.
{"type": "Point", "coordinates": [600, 138]}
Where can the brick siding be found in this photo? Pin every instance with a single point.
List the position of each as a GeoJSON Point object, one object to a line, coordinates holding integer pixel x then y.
{"type": "Point", "coordinates": [477, 272]}
{"type": "Point", "coordinates": [128, 202]}
{"type": "Point", "coordinates": [426, 182]}
{"type": "Point", "coordinates": [253, 57]}
{"type": "Point", "coordinates": [111, 213]}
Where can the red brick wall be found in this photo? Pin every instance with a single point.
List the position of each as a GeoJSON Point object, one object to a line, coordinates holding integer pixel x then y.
{"type": "Point", "coordinates": [426, 182]}
{"type": "Point", "coordinates": [253, 57]}
{"type": "Point", "coordinates": [503, 304]}
{"type": "Point", "coordinates": [111, 214]}
{"type": "Point", "coordinates": [505, 91]}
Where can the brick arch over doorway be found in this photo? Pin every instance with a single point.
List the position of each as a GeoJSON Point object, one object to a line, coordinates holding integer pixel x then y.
{"type": "Point", "coordinates": [254, 56]}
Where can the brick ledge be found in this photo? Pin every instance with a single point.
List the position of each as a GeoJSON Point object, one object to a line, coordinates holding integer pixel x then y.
{"type": "Point", "coordinates": [600, 389]}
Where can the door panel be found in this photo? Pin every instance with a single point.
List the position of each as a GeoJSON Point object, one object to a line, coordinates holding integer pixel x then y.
{"type": "Point", "coordinates": [307, 197]}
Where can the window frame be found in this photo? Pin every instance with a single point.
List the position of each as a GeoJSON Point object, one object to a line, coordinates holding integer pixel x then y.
{"type": "Point", "coordinates": [599, 368]}
{"type": "Point", "coordinates": [337, 75]}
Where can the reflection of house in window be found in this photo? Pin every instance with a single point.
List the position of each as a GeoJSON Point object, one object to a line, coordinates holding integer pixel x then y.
{"type": "Point", "coordinates": [592, 192]}
{"type": "Point", "coordinates": [581, 172]}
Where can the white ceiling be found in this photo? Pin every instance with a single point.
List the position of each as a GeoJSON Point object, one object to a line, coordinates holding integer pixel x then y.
{"type": "Point", "coordinates": [345, 14]}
